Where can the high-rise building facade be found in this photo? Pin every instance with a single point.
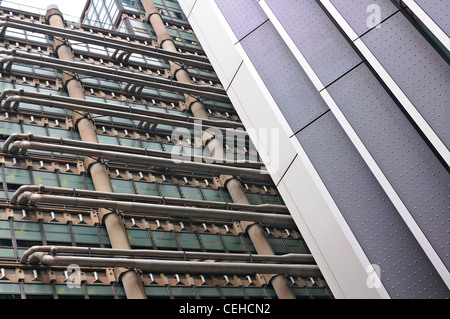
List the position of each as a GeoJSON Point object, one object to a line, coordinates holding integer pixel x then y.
{"type": "Point", "coordinates": [126, 171]}
{"type": "Point", "coordinates": [358, 94]}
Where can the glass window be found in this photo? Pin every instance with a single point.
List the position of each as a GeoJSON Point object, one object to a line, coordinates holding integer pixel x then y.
{"type": "Point", "coordinates": [183, 292]}
{"type": "Point", "coordinates": [271, 199]}
{"type": "Point", "coordinates": [191, 192]}
{"type": "Point", "coordinates": [34, 129]}
{"type": "Point", "coordinates": [249, 244]}
{"type": "Point", "coordinates": [99, 291]}
{"type": "Point", "coordinates": [212, 242]}
{"type": "Point", "coordinates": [164, 239]}
{"type": "Point", "coordinates": [9, 291]}
{"type": "Point", "coordinates": [129, 142]}
{"type": "Point", "coordinates": [233, 292]}
{"type": "Point", "coordinates": [234, 243]}
{"type": "Point", "coordinates": [57, 234]}
{"type": "Point", "coordinates": [254, 199]}
{"type": "Point", "coordinates": [188, 241]}
{"type": "Point", "coordinates": [106, 139]}
{"type": "Point", "coordinates": [72, 181]}
{"type": "Point", "coordinates": [169, 190]}
{"type": "Point", "coordinates": [156, 292]}
{"type": "Point", "coordinates": [295, 246]}
{"type": "Point", "coordinates": [152, 146]}
{"type": "Point", "coordinates": [64, 292]}
{"type": "Point", "coordinates": [277, 246]}
{"type": "Point", "coordinates": [17, 176]}
{"type": "Point", "coordinates": [210, 292]}
{"type": "Point", "coordinates": [139, 238]}
{"type": "Point", "coordinates": [27, 234]}
{"type": "Point", "coordinates": [122, 186]}
{"type": "Point", "coordinates": [105, 237]}
{"type": "Point", "coordinates": [7, 128]}
{"type": "Point", "coordinates": [213, 195]}
{"type": "Point", "coordinates": [301, 292]}
{"type": "Point", "coordinates": [85, 235]}
{"type": "Point", "coordinates": [255, 292]}
{"type": "Point", "coordinates": [7, 253]}
{"type": "Point", "coordinates": [319, 292]}
{"type": "Point", "coordinates": [52, 132]}
{"type": "Point", "coordinates": [5, 234]}
{"type": "Point", "coordinates": [36, 290]}
{"type": "Point", "coordinates": [45, 178]}
{"type": "Point", "coordinates": [144, 188]}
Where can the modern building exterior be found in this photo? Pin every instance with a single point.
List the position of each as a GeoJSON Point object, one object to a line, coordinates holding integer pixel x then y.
{"type": "Point", "coordinates": [358, 93]}
{"type": "Point", "coordinates": [92, 203]}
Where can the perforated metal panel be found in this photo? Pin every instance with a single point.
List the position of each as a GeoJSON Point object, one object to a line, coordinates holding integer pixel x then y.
{"type": "Point", "coordinates": [320, 42]}
{"type": "Point", "coordinates": [294, 93]}
{"type": "Point", "coordinates": [421, 73]}
{"type": "Point", "coordinates": [242, 16]}
{"type": "Point", "coordinates": [439, 11]}
{"type": "Point", "coordinates": [406, 272]}
{"type": "Point", "coordinates": [362, 15]}
{"type": "Point", "coordinates": [411, 167]}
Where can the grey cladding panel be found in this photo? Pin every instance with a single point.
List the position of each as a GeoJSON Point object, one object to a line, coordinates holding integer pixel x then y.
{"type": "Point", "coordinates": [406, 272]}
{"type": "Point", "coordinates": [291, 88]}
{"type": "Point", "coordinates": [243, 16]}
{"type": "Point", "coordinates": [317, 38]}
{"type": "Point", "coordinates": [421, 73]}
{"type": "Point", "coordinates": [411, 167]}
{"type": "Point", "coordinates": [439, 11]}
{"type": "Point", "coordinates": [361, 14]}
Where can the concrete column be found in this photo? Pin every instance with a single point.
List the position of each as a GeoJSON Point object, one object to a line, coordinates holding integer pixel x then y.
{"type": "Point", "coordinates": [131, 282]}
{"type": "Point", "coordinates": [257, 236]}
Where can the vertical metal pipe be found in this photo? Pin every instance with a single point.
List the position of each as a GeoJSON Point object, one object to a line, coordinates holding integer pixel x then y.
{"type": "Point", "coordinates": [257, 236]}
{"type": "Point", "coordinates": [233, 185]}
{"type": "Point", "coordinates": [131, 282]}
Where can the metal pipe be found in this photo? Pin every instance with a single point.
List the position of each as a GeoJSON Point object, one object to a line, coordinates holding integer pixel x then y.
{"type": "Point", "coordinates": [54, 250]}
{"type": "Point", "coordinates": [114, 225]}
{"type": "Point", "coordinates": [155, 80]}
{"type": "Point", "coordinates": [176, 267]}
{"type": "Point", "coordinates": [76, 67]}
{"type": "Point", "coordinates": [145, 198]}
{"type": "Point", "coordinates": [160, 210]}
{"type": "Point", "coordinates": [85, 37]}
{"type": "Point", "coordinates": [257, 236]}
{"type": "Point", "coordinates": [143, 160]}
{"type": "Point", "coordinates": [109, 111]}
{"type": "Point", "coordinates": [101, 105]}
{"type": "Point", "coordinates": [117, 148]}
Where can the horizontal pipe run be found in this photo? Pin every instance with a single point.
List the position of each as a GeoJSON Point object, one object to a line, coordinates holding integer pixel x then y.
{"type": "Point", "coordinates": [84, 37]}
{"type": "Point", "coordinates": [71, 67]}
{"type": "Point", "coordinates": [117, 148]}
{"type": "Point", "coordinates": [177, 267]}
{"type": "Point", "coordinates": [213, 169]}
{"type": "Point", "coordinates": [109, 106]}
{"type": "Point", "coordinates": [116, 71]}
{"type": "Point", "coordinates": [109, 111]}
{"type": "Point", "coordinates": [160, 210]}
{"type": "Point", "coordinates": [145, 198]}
{"type": "Point", "coordinates": [54, 250]}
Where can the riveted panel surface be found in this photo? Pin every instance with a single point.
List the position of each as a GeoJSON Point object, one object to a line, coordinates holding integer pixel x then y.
{"type": "Point", "coordinates": [418, 177]}
{"type": "Point", "coordinates": [289, 85]}
{"type": "Point", "coordinates": [242, 16]}
{"type": "Point", "coordinates": [406, 272]}
{"type": "Point", "coordinates": [439, 11]}
{"type": "Point", "coordinates": [317, 38]}
{"type": "Point", "coordinates": [421, 73]}
{"type": "Point", "coordinates": [363, 15]}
